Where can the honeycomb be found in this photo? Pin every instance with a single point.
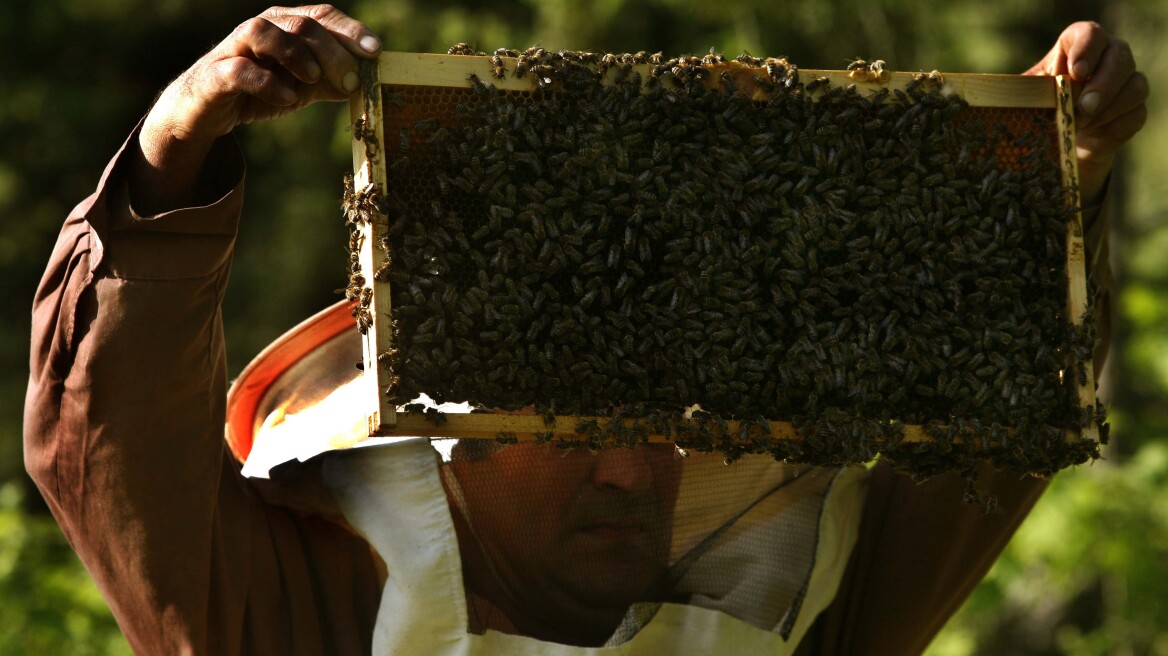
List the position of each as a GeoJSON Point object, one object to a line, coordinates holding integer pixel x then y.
{"type": "Point", "coordinates": [845, 262]}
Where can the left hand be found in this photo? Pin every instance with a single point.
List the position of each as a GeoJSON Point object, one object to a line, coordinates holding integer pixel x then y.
{"type": "Point", "coordinates": [1110, 100]}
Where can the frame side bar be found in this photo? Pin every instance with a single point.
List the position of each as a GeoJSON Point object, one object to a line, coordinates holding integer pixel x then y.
{"type": "Point", "coordinates": [1077, 301]}
{"type": "Point", "coordinates": [368, 126]}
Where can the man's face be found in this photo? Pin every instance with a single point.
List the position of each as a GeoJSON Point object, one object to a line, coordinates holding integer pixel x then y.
{"type": "Point", "coordinates": [567, 528]}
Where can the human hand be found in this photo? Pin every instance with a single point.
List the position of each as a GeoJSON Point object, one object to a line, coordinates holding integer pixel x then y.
{"type": "Point", "coordinates": [1110, 98]}
{"type": "Point", "coordinates": [271, 65]}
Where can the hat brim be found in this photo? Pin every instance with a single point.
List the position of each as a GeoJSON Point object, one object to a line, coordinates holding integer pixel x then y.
{"type": "Point", "coordinates": [271, 378]}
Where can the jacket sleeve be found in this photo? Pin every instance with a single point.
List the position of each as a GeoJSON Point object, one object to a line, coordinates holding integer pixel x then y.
{"type": "Point", "coordinates": [922, 550]}
{"type": "Point", "coordinates": [123, 432]}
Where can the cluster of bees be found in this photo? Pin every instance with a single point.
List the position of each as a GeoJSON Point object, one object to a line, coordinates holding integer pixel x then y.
{"type": "Point", "coordinates": [617, 244]}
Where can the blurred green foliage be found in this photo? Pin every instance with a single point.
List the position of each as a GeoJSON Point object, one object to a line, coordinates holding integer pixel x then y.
{"type": "Point", "coordinates": [1083, 576]}
{"type": "Point", "coordinates": [48, 604]}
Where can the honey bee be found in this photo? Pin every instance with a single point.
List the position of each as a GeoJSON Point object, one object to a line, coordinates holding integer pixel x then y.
{"type": "Point", "coordinates": [712, 58]}
{"type": "Point", "coordinates": [817, 84]}
{"type": "Point", "coordinates": [477, 84]}
{"type": "Point", "coordinates": [498, 69]}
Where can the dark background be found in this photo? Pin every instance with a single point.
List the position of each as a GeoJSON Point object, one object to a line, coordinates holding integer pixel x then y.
{"type": "Point", "coordinates": [1085, 574]}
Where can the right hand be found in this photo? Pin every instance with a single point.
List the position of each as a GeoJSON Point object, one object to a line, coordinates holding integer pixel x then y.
{"type": "Point", "coordinates": [271, 65]}
{"type": "Point", "coordinates": [1111, 98]}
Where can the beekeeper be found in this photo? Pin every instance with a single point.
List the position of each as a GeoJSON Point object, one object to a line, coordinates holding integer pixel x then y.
{"type": "Point", "coordinates": [409, 549]}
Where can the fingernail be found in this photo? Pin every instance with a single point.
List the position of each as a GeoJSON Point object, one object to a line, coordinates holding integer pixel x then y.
{"type": "Point", "coordinates": [370, 43]}
{"type": "Point", "coordinates": [1081, 70]}
{"type": "Point", "coordinates": [288, 96]}
{"type": "Point", "coordinates": [1089, 102]}
{"type": "Point", "coordinates": [313, 71]}
{"type": "Point", "coordinates": [350, 82]}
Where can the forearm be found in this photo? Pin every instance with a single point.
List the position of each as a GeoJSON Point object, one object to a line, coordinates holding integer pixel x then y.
{"type": "Point", "coordinates": [922, 550]}
{"type": "Point", "coordinates": [123, 421]}
{"type": "Point", "coordinates": [124, 436]}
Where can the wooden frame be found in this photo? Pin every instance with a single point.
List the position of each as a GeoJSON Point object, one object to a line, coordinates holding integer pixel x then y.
{"type": "Point", "coordinates": [370, 168]}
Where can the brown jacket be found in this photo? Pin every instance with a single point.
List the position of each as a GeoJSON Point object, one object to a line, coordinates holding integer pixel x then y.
{"type": "Point", "coordinates": [124, 436]}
